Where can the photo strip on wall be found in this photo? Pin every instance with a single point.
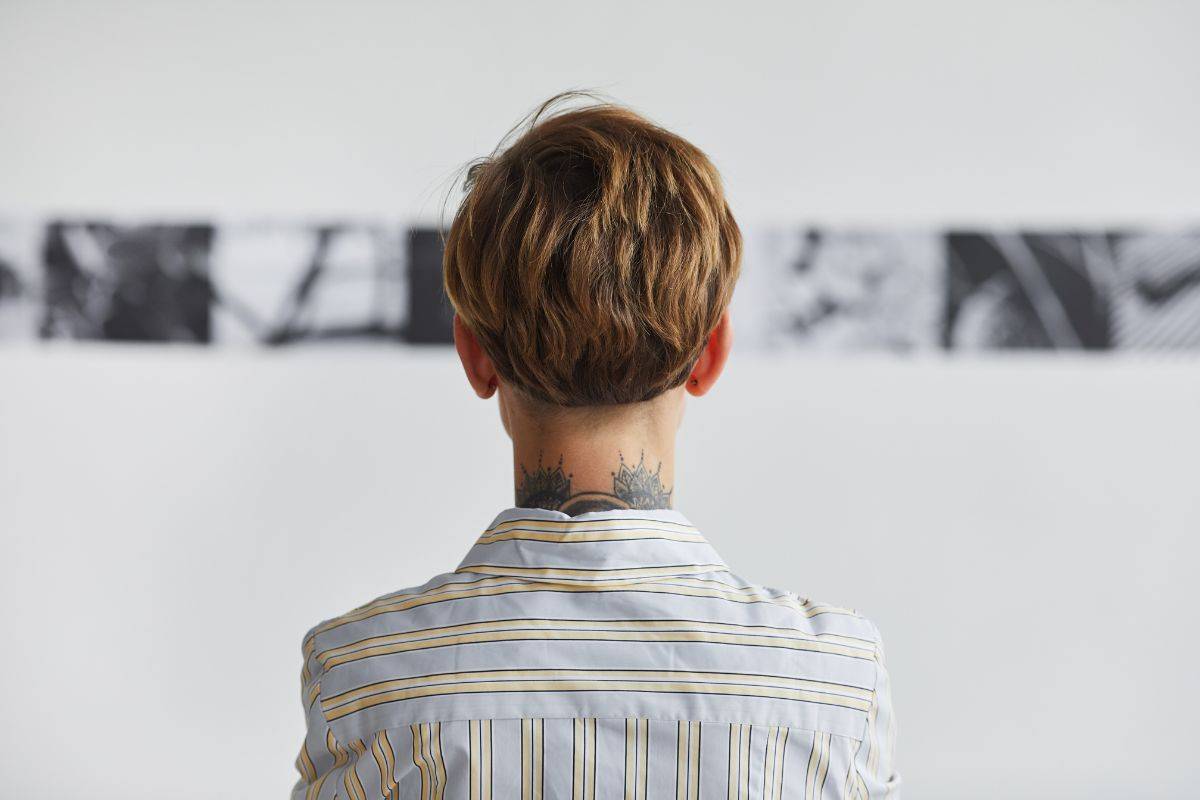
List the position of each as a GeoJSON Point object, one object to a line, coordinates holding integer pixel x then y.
{"type": "Point", "coordinates": [807, 288]}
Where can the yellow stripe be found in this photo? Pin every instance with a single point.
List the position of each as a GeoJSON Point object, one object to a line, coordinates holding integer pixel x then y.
{"type": "Point", "coordinates": [532, 759]}
{"type": "Point", "coordinates": [578, 753]}
{"type": "Point", "coordinates": [769, 757]}
{"type": "Point", "coordinates": [781, 765]}
{"type": "Point", "coordinates": [681, 760]}
{"type": "Point", "coordinates": [481, 759]}
{"type": "Point", "coordinates": [314, 789]}
{"type": "Point", "coordinates": [539, 757]}
{"type": "Point", "coordinates": [823, 767]}
{"type": "Point", "coordinates": [630, 758]}
{"type": "Point", "coordinates": [687, 761]}
{"type": "Point", "coordinates": [379, 762]}
{"type": "Point", "coordinates": [389, 754]}
{"type": "Point", "coordinates": [665, 687]}
{"type": "Point", "coordinates": [850, 787]}
{"type": "Point", "coordinates": [594, 630]}
{"type": "Point", "coordinates": [590, 766]}
{"type": "Point", "coordinates": [694, 737]}
{"type": "Point", "coordinates": [535, 534]}
{"type": "Point", "coordinates": [494, 586]}
{"type": "Point", "coordinates": [439, 764]}
{"type": "Point", "coordinates": [643, 735]}
{"type": "Point", "coordinates": [491, 587]}
{"type": "Point", "coordinates": [810, 775]}
{"type": "Point", "coordinates": [605, 575]}
{"type": "Point", "coordinates": [600, 524]}
{"type": "Point", "coordinates": [418, 739]}
{"type": "Point", "coordinates": [427, 761]}
{"type": "Point", "coordinates": [396, 601]}
{"type": "Point", "coordinates": [526, 759]}
{"type": "Point", "coordinates": [384, 604]}
{"type": "Point", "coordinates": [353, 784]}
{"type": "Point", "coordinates": [552, 677]}
{"type": "Point", "coordinates": [429, 787]}
{"type": "Point", "coordinates": [308, 769]}
{"type": "Point", "coordinates": [485, 766]}
{"type": "Point", "coordinates": [476, 787]}
{"type": "Point", "coordinates": [590, 680]}
{"type": "Point", "coordinates": [385, 759]}
{"type": "Point", "coordinates": [731, 772]}
{"type": "Point", "coordinates": [744, 788]}
{"type": "Point", "coordinates": [305, 765]}
{"type": "Point", "coordinates": [429, 791]}
{"type": "Point", "coordinates": [340, 756]}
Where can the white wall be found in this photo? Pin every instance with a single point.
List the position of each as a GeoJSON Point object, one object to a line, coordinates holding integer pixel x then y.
{"type": "Point", "coordinates": [1024, 533]}
{"type": "Point", "coordinates": [841, 111]}
{"type": "Point", "coordinates": [1024, 530]}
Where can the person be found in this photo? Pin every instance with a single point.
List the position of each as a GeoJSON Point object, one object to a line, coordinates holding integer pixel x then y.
{"type": "Point", "coordinates": [592, 643]}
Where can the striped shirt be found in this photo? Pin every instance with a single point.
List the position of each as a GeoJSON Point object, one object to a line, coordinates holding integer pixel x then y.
{"type": "Point", "coordinates": [608, 655]}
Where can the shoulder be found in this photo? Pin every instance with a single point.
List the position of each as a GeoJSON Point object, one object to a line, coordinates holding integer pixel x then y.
{"type": "Point", "coordinates": [831, 618]}
{"type": "Point", "coordinates": [819, 617]}
{"type": "Point", "coordinates": [373, 615]}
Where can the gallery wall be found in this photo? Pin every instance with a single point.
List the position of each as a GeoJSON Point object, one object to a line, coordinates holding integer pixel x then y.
{"type": "Point", "coordinates": [997, 467]}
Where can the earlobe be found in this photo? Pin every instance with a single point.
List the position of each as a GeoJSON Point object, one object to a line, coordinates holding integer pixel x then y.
{"type": "Point", "coordinates": [481, 374]}
{"type": "Point", "coordinates": [712, 360]}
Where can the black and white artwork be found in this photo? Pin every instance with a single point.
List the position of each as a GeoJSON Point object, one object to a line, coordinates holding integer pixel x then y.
{"type": "Point", "coordinates": [1156, 291]}
{"type": "Point", "coordinates": [852, 289]}
{"type": "Point", "coordinates": [271, 284]}
{"type": "Point", "coordinates": [804, 288]}
{"type": "Point", "coordinates": [135, 283]}
{"type": "Point", "coordinates": [282, 284]}
{"type": "Point", "coordinates": [1028, 290]}
{"type": "Point", "coordinates": [430, 317]}
{"type": "Point", "coordinates": [20, 280]}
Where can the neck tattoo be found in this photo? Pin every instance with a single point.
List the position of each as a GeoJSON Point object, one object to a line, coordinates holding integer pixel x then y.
{"type": "Point", "coordinates": [633, 487]}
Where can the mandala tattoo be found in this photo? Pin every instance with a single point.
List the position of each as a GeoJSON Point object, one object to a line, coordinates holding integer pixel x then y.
{"type": "Point", "coordinates": [639, 487]}
{"type": "Point", "coordinates": [633, 487]}
{"type": "Point", "coordinates": [544, 488]}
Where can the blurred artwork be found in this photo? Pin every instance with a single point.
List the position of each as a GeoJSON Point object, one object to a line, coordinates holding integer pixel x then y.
{"type": "Point", "coordinates": [1156, 297]}
{"type": "Point", "coordinates": [812, 289]}
{"type": "Point", "coordinates": [1027, 290]}
{"type": "Point", "coordinates": [430, 316]}
{"type": "Point", "coordinates": [279, 284]}
{"type": "Point", "coordinates": [20, 281]}
{"type": "Point", "coordinates": [855, 290]}
{"type": "Point", "coordinates": [135, 283]}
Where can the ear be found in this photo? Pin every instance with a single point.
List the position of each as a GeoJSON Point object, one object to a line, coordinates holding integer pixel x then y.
{"type": "Point", "coordinates": [480, 373]}
{"type": "Point", "coordinates": [712, 359]}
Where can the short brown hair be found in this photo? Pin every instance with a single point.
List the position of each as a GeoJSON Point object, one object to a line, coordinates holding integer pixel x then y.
{"type": "Point", "coordinates": [592, 256]}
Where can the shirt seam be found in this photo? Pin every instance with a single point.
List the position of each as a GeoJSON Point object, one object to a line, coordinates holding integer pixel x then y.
{"type": "Point", "coordinates": [659, 718]}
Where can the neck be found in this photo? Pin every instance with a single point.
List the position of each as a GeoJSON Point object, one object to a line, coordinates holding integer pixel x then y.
{"type": "Point", "coordinates": [580, 460]}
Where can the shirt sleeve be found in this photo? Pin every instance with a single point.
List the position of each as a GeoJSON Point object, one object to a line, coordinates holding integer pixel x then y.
{"type": "Point", "coordinates": [877, 773]}
{"type": "Point", "coordinates": [320, 754]}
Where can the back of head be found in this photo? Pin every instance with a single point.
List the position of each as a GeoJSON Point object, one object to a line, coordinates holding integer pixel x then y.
{"type": "Point", "coordinates": [592, 256]}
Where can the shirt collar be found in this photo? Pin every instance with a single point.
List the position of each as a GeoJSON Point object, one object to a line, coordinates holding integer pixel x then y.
{"type": "Point", "coordinates": [617, 545]}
